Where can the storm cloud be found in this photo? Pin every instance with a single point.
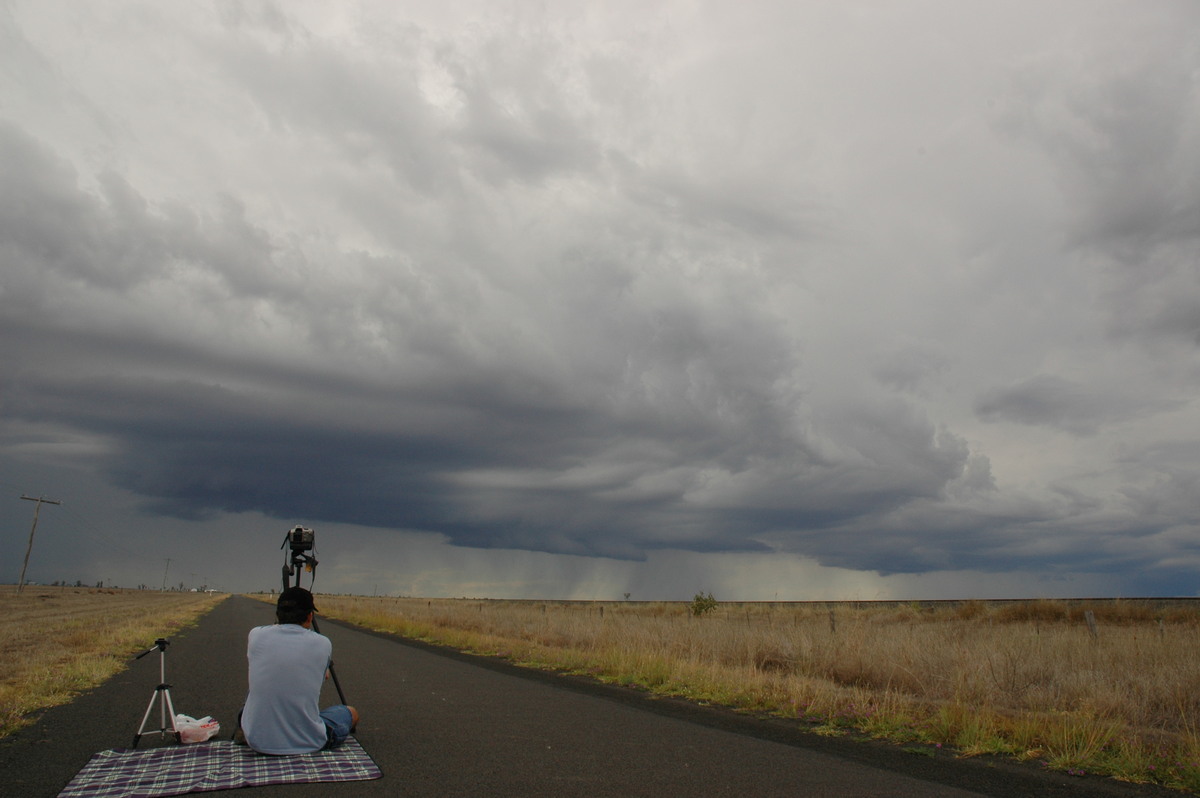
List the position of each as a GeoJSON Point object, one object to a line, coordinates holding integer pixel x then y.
{"type": "Point", "coordinates": [875, 289]}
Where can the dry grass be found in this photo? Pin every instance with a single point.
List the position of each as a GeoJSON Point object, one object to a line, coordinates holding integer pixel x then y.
{"type": "Point", "coordinates": [61, 641]}
{"type": "Point", "coordinates": [1025, 679]}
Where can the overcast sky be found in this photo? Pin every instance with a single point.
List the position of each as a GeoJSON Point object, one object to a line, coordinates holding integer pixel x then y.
{"type": "Point", "coordinates": [777, 300]}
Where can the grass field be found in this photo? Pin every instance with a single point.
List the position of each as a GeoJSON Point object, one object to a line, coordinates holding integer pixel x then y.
{"type": "Point", "coordinates": [1099, 687]}
{"type": "Point", "coordinates": [1104, 687]}
{"type": "Point", "coordinates": [61, 641]}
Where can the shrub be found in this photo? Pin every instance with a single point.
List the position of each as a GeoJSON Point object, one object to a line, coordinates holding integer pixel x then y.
{"type": "Point", "coordinates": [703, 604]}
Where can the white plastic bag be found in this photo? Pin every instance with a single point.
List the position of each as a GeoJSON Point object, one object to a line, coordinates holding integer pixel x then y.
{"type": "Point", "coordinates": [192, 730]}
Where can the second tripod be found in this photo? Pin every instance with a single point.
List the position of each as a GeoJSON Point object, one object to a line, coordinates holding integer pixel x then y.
{"type": "Point", "coordinates": [162, 694]}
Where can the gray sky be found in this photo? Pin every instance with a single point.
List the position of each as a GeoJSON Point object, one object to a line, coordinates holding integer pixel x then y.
{"type": "Point", "coordinates": [773, 299]}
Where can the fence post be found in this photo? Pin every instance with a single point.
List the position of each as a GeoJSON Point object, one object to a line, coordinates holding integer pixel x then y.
{"type": "Point", "coordinates": [1090, 617]}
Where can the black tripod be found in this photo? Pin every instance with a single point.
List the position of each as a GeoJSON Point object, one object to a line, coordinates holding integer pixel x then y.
{"type": "Point", "coordinates": [306, 562]}
{"type": "Point", "coordinates": [162, 694]}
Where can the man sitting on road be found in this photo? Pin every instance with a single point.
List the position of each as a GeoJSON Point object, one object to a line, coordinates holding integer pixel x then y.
{"type": "Point", "coordinates": [288, 663]}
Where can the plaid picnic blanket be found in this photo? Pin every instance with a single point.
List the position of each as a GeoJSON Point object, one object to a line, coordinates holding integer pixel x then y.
{"type": "Point", "coordinates": [204, 767]}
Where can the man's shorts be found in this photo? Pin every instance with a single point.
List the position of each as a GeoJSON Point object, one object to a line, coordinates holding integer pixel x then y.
{"type": "Point", "coordinates": [337, 724]}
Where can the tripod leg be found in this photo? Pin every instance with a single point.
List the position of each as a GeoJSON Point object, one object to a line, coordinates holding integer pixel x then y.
{"type": "Point", "coordinates": [332, 673]}
{"type": "Point", "coordinates": [171, 707]}
{"type": "Point", "coordinates": [337, 685]}
{"type": "Point", "coordinates": [141, 729]}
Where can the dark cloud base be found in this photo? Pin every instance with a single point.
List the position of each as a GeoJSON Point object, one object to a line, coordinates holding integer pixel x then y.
{"type": "Point", "coordinates": [605, 294]}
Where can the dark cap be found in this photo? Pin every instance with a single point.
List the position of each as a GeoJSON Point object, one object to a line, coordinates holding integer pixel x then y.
{"type": "Point", "coordinates": [296, 599]}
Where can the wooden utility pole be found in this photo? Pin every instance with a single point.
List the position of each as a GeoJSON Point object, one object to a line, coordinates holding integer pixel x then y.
{"type": "Point", "coordinates": [40, 501]}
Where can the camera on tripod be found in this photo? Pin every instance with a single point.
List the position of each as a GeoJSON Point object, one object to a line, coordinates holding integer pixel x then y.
{"type": "Point", "coordinates": [301, 539]}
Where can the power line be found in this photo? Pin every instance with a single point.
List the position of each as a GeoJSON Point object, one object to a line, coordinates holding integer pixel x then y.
{"type": "Point", "coordinates": [91, 538]}
{"type": "Point", "coordinates": [40, 501]}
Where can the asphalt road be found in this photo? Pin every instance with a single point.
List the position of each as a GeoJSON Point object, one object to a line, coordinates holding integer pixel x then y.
{"type": "Point", "coordinates": [440, 723]}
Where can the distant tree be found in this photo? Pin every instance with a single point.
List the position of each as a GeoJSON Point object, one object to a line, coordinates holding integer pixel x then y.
{"type": "Point", "coordinates": [703, 604]}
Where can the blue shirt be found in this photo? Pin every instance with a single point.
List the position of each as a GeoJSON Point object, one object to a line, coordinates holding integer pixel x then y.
{"type": "Point", "coordinates": [287, 669]}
